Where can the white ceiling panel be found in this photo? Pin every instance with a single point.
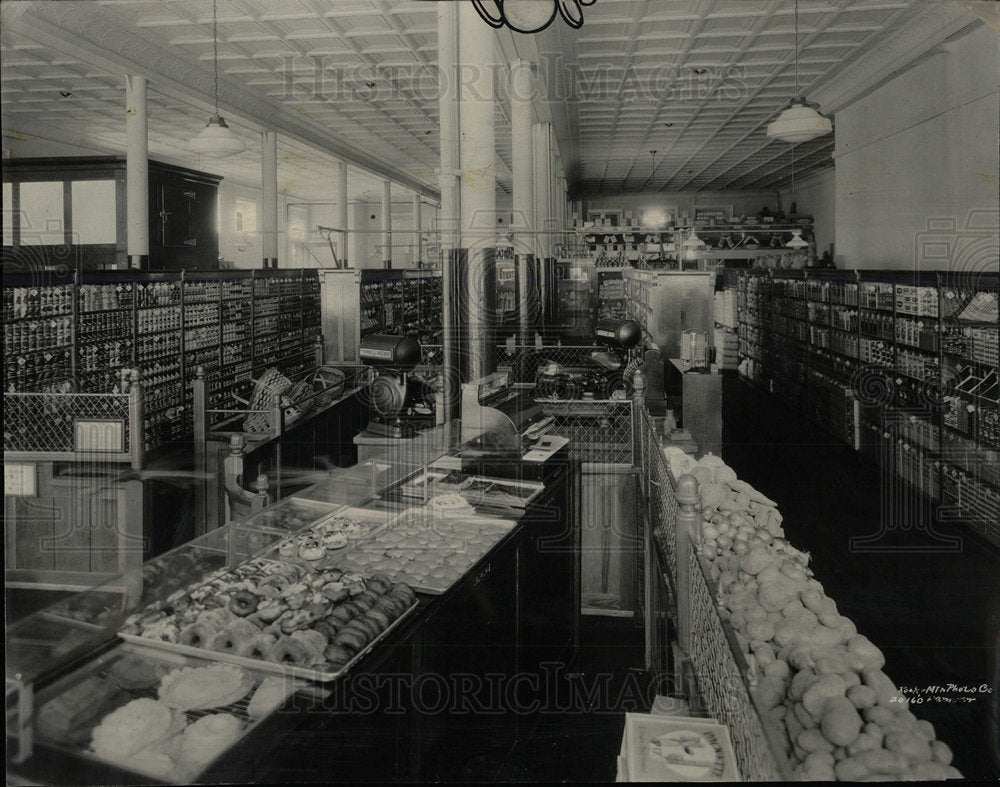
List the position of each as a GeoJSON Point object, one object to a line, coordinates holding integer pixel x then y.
{"type": "Point", "coordinates": [360, 74]}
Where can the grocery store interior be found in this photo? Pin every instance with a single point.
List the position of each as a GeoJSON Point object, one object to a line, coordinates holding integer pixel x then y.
{"type": "Point", "coordinates": [501, 390]}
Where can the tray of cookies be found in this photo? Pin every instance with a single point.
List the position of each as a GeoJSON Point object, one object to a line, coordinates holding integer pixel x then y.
{"type": "Point", "coordinates": [426, 549]}
{"type": "Point", "coordinates": [161, 715]}
{"type": "Point", "coordinates": [282, 617]}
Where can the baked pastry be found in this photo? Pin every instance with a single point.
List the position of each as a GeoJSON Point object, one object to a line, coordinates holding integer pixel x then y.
{"type": "Point", "coordinates": [314, 642]}
{"type": "Point", "coordinates": [335, 540]}
{"type": "Point", "coordinates": [131, 728]}
{"type": "Point", "coordinates": [337, 656]}
{"type": "Point", "coordinates": [258, 647]}
{"type": "Point", "coordinates": [232, 638]}
{"type": "Point", "coordinates": [71, 716]}
{"type": "Point", "coordinates": [208, 737]}
{"type": "Point", "coordinates": [133, 672]}
{"type": "Point", "coordinates": [192, 688]}
{"type": "Point", "coordinates": [270, 694]}
{"type": "Point", "coordinates": [243, 603]}
{"type": "Point", "coordinates": [288, 548]}
{"type": "Point", "coordinates": [290, 651]}
{"type": "Point", "coordinates": [311, 549]}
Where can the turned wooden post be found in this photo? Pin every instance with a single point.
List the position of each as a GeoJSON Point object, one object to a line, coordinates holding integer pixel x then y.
{"type": "Point", "coordinates": [685, 530]}
{"type": "Point", "coordinates": [136, 420]}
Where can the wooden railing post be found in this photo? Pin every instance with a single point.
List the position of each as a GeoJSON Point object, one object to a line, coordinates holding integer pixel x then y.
{"type": "Point", "coordinates": [686, 530]}
{"type": "Point", "coordinates": [136, 420]}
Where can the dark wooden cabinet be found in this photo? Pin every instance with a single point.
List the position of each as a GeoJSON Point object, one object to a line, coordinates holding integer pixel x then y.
{"type": "Point", "coordinates": [82, 225]}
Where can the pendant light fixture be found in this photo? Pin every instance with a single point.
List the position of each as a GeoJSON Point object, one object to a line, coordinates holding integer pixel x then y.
{"type": "Point", "coordinates": [692, 244]}
{"type": "Point", "coordinates": [216, 139]}
{"type": "Point", "coordinates": [800, 121]}
{"type": "Point", "coordinates": [530, 16]}
{"type": "Point", "coordinates": [797, 241]}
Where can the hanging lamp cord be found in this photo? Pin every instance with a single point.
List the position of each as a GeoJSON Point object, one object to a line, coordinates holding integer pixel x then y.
{"type": "Point", "coordinates": [215, 52]}
{"type": "Point", "coordinates": [796, 47]}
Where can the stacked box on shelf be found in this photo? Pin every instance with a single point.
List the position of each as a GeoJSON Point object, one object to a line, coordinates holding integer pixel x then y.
{"type": "Point", "coordinates": [38, 334]}
{"type": "Point", "coordinates": [236, 361]}
{"type": "Point", "coordinates": [611, 294]}
{"type": "Point", "coordinates": [104, 335]}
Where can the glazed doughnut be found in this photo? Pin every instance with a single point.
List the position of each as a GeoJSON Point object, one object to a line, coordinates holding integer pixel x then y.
{"type": "Point", "coordinates": [198, 635]}
{"type": "Point", "coordinates": [243, 603]}
{"type": "Point", "coordinates": [257, 647]}
{"type": "Point", "coordinates": [369, 596]}
{"type": "Point", "coordinates": [328, 627]}
{"type": "Point", "coordinates": [270, 611]}
{"type": "Point", "coordinates": [403, 591]}
{"type": "Point", "coordinates": [379, 583]}
{"type": "Point", "coordinates": [293, 621]}
{"type": "Point", "coordinates": [297, 589]}
{"type": "Point", "coordinates": [232, 638]}
{"type": "Point", "coordinates": [313, 640]}
{"type": "Point", "coordinates": [337, 655]}
{"type": "Point", "coordinates": [387, 606]}
{"type": "Point", "coordinates": [276, 581]}
{"type": "Point", "coordinates": [289, 651]}
{"type": "Point", "coordinates": [380, 618]}
{"type": "Point", "coordinates": [334, 591]}
{"type": "Point", "coordinates": [341, 615]}
{"type": "Point", "coordinates": [362, 602]}
{"type": "Point", "coordinates": [362, 627]}
{"type": "Point", "coordinates": [350, 639]}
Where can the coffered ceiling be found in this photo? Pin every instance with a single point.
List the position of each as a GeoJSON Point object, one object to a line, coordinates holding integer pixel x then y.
{"type": "Point", "coordinates": [696, 81]}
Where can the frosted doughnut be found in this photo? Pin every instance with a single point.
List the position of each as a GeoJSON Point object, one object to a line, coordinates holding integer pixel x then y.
{"type": "Point", "coordinates": [232, 638]}
{"type": "Point", "coordinates": [289, 651]}
{"type": "Point", "coordinates": [258, 647]}
{"type": "Point", "coordinates": [198, 635]}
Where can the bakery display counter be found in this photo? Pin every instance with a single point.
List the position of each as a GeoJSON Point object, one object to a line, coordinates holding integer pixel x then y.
{"type": "Point", "coordinates": [292, 632]}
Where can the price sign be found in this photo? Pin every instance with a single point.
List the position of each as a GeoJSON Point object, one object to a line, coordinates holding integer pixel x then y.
{"type": "Point", "coordinates": [20, 480]}
{"type": "Point", "coordinates": [99, 436]}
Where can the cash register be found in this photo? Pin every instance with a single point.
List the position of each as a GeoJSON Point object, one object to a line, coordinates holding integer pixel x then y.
{"type": "Point", "coordinates": [503, 423]}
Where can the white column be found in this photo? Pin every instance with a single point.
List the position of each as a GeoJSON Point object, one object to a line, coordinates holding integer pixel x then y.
{"type": "Point", "coordinates": [342, 214]}
{"type": "Point", "coordinates": [386, 224]}
{"type": "Point", "coordinates": [447, 14]}
{"type": "Point", "coordinates": [477, 201]}
{"type": "Point", "coordinates": [269, 196]}
{"type": "Point", "coordinates": [418, 241]}
{"type": "Point", "coordinates": [543, 248]}
{"type": "Point", "coordinates": [136, 173]}
{"type": "Point", "coordinates": [521, 110]}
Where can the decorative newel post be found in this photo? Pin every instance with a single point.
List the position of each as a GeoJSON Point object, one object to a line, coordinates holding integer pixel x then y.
{"type": "Point", "coordinates": [638, 403]}
{"type": "Point", "coordinates": [261, 486]}
{"type": "Point", "coordinates": [686, 537]}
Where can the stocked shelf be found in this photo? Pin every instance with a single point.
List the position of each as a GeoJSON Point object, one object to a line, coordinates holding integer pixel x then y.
{"type": "Point", "coordinates": [61, 337]}
{"type": "Point", "coordinates": [903, 369]}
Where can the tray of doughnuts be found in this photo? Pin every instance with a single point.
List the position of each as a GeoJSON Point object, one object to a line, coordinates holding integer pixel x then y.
{"type": "Point", "coordinates": [303, 621]}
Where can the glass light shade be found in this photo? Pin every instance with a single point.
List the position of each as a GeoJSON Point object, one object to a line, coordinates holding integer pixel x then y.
{"type": "Point", "coordinates": [799, 123]}
{"type": "Point", "coordinates": [797, 242]}
{"type": "Point", "coordinates": [692, 241]}
{"type": "Point", "coordinates": [216, 139]}
{"type": "Point", "coordinates": [529, 16]}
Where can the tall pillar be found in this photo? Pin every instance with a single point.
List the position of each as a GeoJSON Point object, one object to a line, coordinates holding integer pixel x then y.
{"type": "Point", "coordinates": [269, 196]}
{"type": "Point", "coordinates": [418, 239]}
{"type": "Point", "coordinates": [386, 224]}
{"type": "Point", "coordinates": [477, 199]}
{"type": "Point", "coordinates": [521, 110]}
{"type": "Point", "coordinates": [342, 214]}
{"type": "Point", "coordinates": [543, 223]}
{"type": "Point", "coordinates": [136, 173]}
{"type": "Point", "coordinates": [447, 14]}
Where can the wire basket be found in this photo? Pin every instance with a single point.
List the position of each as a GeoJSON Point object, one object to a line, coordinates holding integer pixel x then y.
{"type": "Point", "coordinates": [268, 391]}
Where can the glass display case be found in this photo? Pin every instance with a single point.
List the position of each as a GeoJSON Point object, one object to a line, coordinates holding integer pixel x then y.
{"type": "Point", "coordinates": [115, 711]}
